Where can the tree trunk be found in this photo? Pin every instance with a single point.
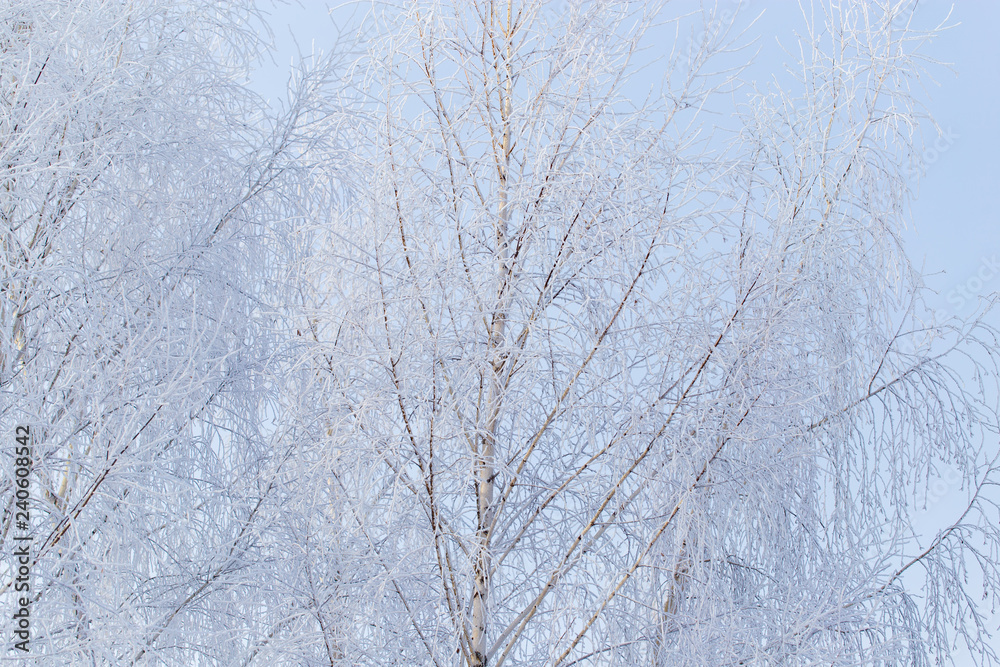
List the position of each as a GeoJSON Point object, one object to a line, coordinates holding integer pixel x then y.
{"type": "Point", "coordinates": [485, 462]}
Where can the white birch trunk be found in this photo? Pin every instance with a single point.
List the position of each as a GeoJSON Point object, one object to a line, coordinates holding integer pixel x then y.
{"type": "Point", "coordinates": [485, 463]}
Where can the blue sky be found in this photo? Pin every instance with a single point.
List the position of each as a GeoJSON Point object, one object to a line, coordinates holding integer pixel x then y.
{"type": "Point", "coordinates": [955, 230]}
{"type": "Point", "coordinates": [955, 215]}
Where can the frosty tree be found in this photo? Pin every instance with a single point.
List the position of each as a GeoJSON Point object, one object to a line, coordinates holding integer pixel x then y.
{"type": "Point", "coordinates": [595, 382]}
{"type": "Point", "coordinates": [137, 175]}
{"type": "Point", "coordinates": [471, 357]}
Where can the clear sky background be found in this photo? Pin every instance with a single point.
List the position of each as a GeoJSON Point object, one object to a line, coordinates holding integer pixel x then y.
{"type": "Point", "coordinates": [955, 230]}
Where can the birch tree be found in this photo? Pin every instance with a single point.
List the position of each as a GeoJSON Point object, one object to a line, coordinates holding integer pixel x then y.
{"type": "Point", "coordinates": [596, 381]}
{"type": "Point", "coordinates": [138, 179]}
